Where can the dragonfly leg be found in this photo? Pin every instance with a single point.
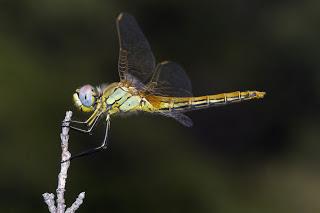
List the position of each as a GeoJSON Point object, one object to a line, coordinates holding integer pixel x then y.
{"type": "Point", "coordinates": [96, 149]}
{"type": "Point", "coordinates": [95, 121]}
{"type": "Point", "coordinates": [78, 122]}
{"type": "Point", "coordinates": [90, 119]}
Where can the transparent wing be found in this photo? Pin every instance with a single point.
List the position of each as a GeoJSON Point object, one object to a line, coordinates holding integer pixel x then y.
{"type": "Point", "coordinates": [170, 79]}
{"type": "Point", "coordinates": [180, 117]}
{"type": "Point", "coordinates": [136, 59]}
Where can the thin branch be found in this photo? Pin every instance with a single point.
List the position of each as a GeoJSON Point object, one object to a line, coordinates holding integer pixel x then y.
{"type": "Point", "coordinates": [76, 203]}
{"type": "Point", "coordinates": [62, 177]}
{"type": "Point", "coordinates": [65, 155]}
{"type": "Point", "coordinates": [49, 200]}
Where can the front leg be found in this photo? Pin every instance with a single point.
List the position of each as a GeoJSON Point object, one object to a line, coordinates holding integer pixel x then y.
{"type": "Point", "coordinates": [91, 122]}
{"type": "Point", "coordinates": [92, 117]}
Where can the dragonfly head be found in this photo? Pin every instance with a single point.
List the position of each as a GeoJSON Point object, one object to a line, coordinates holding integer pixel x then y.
{"type": "Point", "coordinates": [85, 98]}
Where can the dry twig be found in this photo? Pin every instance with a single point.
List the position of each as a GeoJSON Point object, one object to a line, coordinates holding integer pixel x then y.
{"type": "Point", "coordinates": [62, 177]}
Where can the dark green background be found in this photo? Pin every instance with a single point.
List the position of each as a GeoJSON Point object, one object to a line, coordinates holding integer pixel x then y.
{"type": "Point", "coordinates": [259, 156]}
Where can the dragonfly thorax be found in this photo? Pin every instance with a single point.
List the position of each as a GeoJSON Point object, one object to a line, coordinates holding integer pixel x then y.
{"type": "Point", "coordinates": [85, 98]}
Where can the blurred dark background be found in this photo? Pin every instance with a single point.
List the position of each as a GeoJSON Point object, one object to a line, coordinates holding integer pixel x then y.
{"type": "Point", "coordinates": [258, 156]}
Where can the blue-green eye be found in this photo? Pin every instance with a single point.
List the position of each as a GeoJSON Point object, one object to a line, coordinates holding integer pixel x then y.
{"type": "Point", "coordinates": [86, 95]}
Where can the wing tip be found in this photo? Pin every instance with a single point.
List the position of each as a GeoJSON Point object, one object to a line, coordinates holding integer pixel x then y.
{"type": "Point", "coordinates": [122, 15]}
{"type": "Point", "coordinates": [165, 62]}
{"type": "Point", "coordinates": [189, 125]}
{"type": "Point", "coordinates": [119, 17]}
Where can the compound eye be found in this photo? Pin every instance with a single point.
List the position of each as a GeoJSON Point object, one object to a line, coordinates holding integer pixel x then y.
{"type": "Point", "coordinates": [86, 95]}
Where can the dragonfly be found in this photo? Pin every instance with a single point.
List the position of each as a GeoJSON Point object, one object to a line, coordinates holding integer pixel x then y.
{"type": "Point", "coordinates": [163, 88]}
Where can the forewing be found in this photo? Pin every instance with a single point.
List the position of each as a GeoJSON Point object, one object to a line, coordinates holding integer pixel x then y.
{"type": "Point", "coordinates": [170, 79]}
{"type": "Point", "coordinates": [135, 57]}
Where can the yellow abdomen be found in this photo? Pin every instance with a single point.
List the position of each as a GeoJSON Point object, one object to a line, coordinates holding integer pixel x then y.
{"type": "Point", "coordinates": [160, 103]}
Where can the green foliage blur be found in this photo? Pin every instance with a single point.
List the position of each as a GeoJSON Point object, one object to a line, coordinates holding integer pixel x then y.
{"type": "Point", "coordinates": [259, 156]}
